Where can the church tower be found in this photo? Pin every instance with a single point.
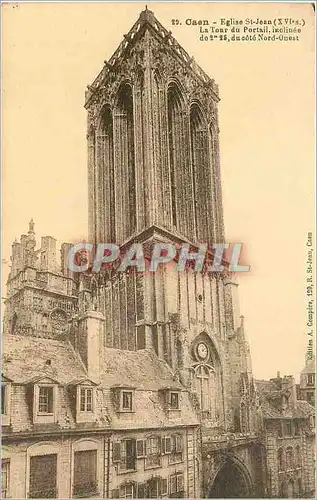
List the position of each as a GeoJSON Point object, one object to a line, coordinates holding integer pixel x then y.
{"type": "Point", "coordinates": [154, 176]}
{"type": "Point", "coordinates": [153, 141]}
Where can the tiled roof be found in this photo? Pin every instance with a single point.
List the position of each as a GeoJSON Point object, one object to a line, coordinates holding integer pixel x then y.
{"type": "Point", "coordinates": [25, 358]}
{"type": "Point", "coordinates": [269, 393]}
{"type": "Point", "coordinates": [265, 386]}
{"type": "Point", "coordinates": [143, 371]}
{"type": "Point", "coordinates": [140, 369]}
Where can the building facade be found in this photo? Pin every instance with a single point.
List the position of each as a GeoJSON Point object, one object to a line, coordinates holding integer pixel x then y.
{"type": "Point", "coordinates": [306, 388]}
{"type": "Point", "coordinates": [136, 384]}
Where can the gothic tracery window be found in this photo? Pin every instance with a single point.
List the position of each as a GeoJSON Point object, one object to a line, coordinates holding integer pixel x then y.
{"type": "Point", "coordinates": [124, 160]}
{"type": "Point", "coordinates": [281, 459]}
{"type": "Point", "coordinates": [289, 458]}
{"type": "Point", "coordinates": [106, 181]}
{"type": "Point", "coordinates": [181, 191]}
{"type": "Point", "coordinates": [201, 172]}
{"type": "Point", "coordinates": [205, 387]}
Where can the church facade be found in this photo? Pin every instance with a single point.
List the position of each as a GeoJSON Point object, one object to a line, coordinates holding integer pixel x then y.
{"type": "Point", "coordinates": [139, 384]}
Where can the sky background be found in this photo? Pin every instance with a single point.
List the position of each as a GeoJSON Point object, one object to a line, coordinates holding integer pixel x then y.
{"type": "Point", "coordinates": [52, 51]}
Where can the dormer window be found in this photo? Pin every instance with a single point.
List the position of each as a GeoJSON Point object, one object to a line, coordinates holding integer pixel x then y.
{"type": "Point", "coordinates": [171, 398]}
{"type": "Point", "coordinates": [83, 397]}
{"type": "Point", "coordinates": [44, 392]}
{"type": "Point", "coordinates": [46, 400]}
{"type": "Point", "coordinates": [174, 401]}
{"type": "Point", "coordinates": [86, 397]}
{"type": "Point", "coordinates": [124, 398]}
{"type": "Point", "coordinates": [127, 400]}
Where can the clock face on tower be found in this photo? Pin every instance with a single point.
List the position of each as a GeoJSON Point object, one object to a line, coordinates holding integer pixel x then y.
{"type": "Point", "coordinates": [202, 350]}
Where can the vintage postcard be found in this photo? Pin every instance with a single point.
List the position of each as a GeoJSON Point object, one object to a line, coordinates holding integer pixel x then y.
{"type": "Point", "coordinates": [158, 250]}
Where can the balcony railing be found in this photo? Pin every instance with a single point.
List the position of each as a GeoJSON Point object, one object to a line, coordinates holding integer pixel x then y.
{"type": "Point", "coordinates": [85, 490]}
{"type": "Point", "coordinates": [47, 493]}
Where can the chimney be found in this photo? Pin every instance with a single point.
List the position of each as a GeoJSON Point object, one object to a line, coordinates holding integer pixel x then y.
{"type": "Point", "coordinates": [48, 253]}
{"type": "Point", "coordinates": [65, 248]}
{"type": "Point", "coordinates": [288, 383]}
{"type": "Point", "coordinates": [90, 342]}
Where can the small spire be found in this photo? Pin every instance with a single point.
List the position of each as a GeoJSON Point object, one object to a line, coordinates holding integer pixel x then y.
{"type": "Point", "coordinates": [31, 226]}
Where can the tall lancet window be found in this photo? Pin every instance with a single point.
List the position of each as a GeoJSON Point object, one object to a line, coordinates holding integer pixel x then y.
{"type": "Point", "coordinates": [201, 174]}
{"type": "Point", "coordinates": [204, 386]}
{"type": "Point", "coordinates": [92, 207]}
{"type": "Point", "coordinates": [125, 162]}
{"type": "Point", "coordinates": [106, 187]}
{"type": "Point", "coordinates": [180, 178]}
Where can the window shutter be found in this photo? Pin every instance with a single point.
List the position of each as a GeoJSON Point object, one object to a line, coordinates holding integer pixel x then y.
{"type": "Point", "coordinates": [133, 446]}
{"type": "Point", "coordinates": [140, 448]}
{"type": "Point", "coordinates": [180, 482]}
{"type": "Point", "coordinates": [168, 445]}
{"type": "Point", "coordinates": [116, 452]}
{"type": "Point", "coordinates": [141, 490]}
{"type": "Point", "coordinates": [115, 493]}
{"type": "Point", "coordinates": [163, 486]}
{"type": "Point", "coordinates": [163, 445]}
{"type": "Point", "coordinates": [179, 444]}
{"type": "Point", "coordinates": [173, 484]}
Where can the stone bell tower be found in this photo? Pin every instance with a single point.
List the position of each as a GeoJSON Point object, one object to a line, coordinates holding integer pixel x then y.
{"type": "Point", "coordinates": [153, 141]}
{"type": "Point", "coordinates": [154, 175]}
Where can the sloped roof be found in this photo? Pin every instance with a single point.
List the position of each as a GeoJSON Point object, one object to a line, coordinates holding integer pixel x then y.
{"type": "Point", "coordinates": [268, 392]}
{"type": "Point", "coordinates": [265, 386]}
{"type": "Point", "coordinates": [25, 358]}
{"type": "Point", "coordinates": [147, 20]}
{"type": "Point", "coordinates": [141, 369]}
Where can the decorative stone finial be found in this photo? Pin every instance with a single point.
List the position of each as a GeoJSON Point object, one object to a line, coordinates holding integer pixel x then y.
{"type": "Point", "coordinates": [31, 226]}
{"type": "Point", "coordinates": [147, 15]}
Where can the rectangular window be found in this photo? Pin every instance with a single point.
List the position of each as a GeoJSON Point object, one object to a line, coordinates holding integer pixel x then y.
{"type": "Point", "coordinates": [3, 399]}
{"type": "Point", "coordinates": [311, 379]}
{"type": "Point", "coordinates": [85, 399]}
{"type": "Point", "coordinates": [176, 455]}
{"type": "Point", "coordinates": [164, 487]}
{"type": "Point", "coordinates": [128, 490]}
{"type": "Point", "coordinates": [177, 485]}
{"type": "Point", "coordinates": [174, 400]}
{"type": "Point", "coordinates": [5, 478]}
{"type": "Point", "coordinates": [296, 428]}
{"type": "Point", "coordinates": [85, 473]}
{"type": "Point", "coordinates": [153, 488]}
{"type": "Point", "coordinates": [127, 400]}
{"type": "Point", "coordinates": [46, 398]}
{"type": "Point", "coordinates": [140, 448]}
{"type": "Point", "coordinates": [153, 452]}
{"type": "Point", "coordinates": [288, 428]}
{"type": "Point", "coordinates": [128, 454]}
{"type": "Point", "coordinates": [166, 445]}
{"type": "Point", "coordinates": [43, 476]}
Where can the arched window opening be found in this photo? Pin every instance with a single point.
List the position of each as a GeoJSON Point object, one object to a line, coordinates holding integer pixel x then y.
{"type": "Point", "coordinates": [289, 458]}
{"type": "Point", "coordinates": [125, 161]}
{"type": "Point", "coordinates": [290, 489]}
{"type": "Point", "coordinates": [283, 490]}
{"type": "Point", "coordinates": [300, 487]}
{"type": "Point", "coordinates": [281, 459]}
{"type": "Point", "coordinates": [14, 322]}
{"type": "Point", "coordinates": [201, 173]}
{"type": "Point", "coordinates": [106, 173]}
{"type": "Point", "coordinates": [205, 388]}
{"type": "Point", "coordinates": [298, 457]}
{"type": "Point", "coordinates": [174, 107]}
{"type": "Point", "coordinates": [180, 177]}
